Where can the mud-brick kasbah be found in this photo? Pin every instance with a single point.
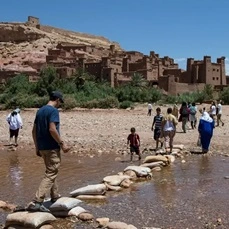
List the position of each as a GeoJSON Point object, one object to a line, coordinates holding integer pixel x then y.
{"type": "Point", "coordinates": [106, 60]}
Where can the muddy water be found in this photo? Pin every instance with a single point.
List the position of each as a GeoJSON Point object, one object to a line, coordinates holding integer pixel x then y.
{"type": "Point", "coordinates": [184, 195]}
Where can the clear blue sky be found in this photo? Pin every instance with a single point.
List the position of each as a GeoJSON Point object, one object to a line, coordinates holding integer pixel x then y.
{"type": "Point", "coordinates": [177, 28]}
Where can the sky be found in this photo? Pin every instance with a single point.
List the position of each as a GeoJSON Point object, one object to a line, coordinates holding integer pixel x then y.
{"type": "Point", "coordinates": [176, 28]}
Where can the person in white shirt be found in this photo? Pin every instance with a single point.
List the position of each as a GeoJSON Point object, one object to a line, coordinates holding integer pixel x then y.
{"type": "Point", "coordinates": [150, 107]}
{"type": "Point", "coordinates": [213, 110]}
{"type": "Point", "coordinates": [219, 113]}
{"type": "Point", "coordinates": [15, 123]}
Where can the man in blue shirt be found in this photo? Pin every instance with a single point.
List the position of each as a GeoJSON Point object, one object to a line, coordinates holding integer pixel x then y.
{"type": "Point", "coordinates": [47, 140]}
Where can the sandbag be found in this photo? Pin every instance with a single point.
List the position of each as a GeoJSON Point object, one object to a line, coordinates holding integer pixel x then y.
{"type": "Point", "coordinates": [171, 158]}
{"type": "Point", "coordinates": [73, 212]}
{"type": "Point", "coordinates": [95, 189]}
{"type": "Point", "coordinates": [115, 180]}
{"type": "Point", "coordinates": [64, 204]}
{"type": "Point", "coordinates": [29, 219]}
{"type": "Point", "coordinates": [156, 158]}
{"type": "Point", "coordinates": [153, 164]}
{"type": "Point", "coordinates": [76, 211]}
{"type": "Point", "coordinates": [180, 147]}
{"type": "Point", "coordinates": [47, 226]}
{"type": "Point", "coordinates": [113, 188]}
{"type": "Point", "coordinates": [126, 183]}
{"type": "Point", "coordinates": [131, 173]}
{"type": "Point", "coordinates": [140, 171]}
{"type": "Point", "coordinates": [91, 197]}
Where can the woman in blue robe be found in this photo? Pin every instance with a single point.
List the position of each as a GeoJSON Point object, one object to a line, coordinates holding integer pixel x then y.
{"type": "Point", "coordinates": [206, 126]}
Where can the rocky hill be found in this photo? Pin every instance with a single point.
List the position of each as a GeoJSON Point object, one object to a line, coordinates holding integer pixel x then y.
{"type": "Point", "coordinates": [25, 45]}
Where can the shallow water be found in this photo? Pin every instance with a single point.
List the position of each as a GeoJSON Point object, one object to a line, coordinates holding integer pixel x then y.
{"type": "Point", "coordinates": [183, 195]}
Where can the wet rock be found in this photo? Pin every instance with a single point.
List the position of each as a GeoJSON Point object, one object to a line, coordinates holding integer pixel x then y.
{"type": "Point", "coordinates": [85, 216]}
{"type": "Point", "coordinates": [102, 221]}
{"type": "Point", "coordinates": [117, 225]}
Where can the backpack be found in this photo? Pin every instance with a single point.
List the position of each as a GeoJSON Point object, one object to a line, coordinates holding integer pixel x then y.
{"type": "Point", "coordinates": [192, 110]}
{"type": "Point", "coordinates": [184, 111]}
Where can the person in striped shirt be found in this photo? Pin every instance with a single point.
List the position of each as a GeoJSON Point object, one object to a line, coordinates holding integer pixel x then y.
{"type": "Point", "coordinates": [157, 124]}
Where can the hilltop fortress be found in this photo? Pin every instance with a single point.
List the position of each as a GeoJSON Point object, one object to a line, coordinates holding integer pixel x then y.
{"type": "Point", "coordinates": [103, 59]}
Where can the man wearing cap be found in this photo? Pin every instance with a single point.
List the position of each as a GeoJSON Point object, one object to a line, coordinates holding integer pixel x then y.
{"type": "Point", "coordinates": [48, 143]}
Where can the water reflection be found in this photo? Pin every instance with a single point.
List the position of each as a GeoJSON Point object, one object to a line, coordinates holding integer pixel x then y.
{"type": "Point", "coordinates": [205, 166]}
{"type": "Point", "coordinates": [15, 171]}
{"type": "Point", "coordinates": [165, 186]}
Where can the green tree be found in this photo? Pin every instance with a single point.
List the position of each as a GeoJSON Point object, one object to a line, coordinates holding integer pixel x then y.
{"type": "Point", "coordinates": [48, 81]}
{"type": "Point", "coordinates": [208, 91]}
{"type": "Point", "coordinates": [137, 80]}
{"type": "Point", "coordinates": [81, 77]}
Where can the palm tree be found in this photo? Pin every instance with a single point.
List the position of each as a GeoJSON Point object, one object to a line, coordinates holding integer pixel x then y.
{"type": "Point", "coordinates": [138, 80]}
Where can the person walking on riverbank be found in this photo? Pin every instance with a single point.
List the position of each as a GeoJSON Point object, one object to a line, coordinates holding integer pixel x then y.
{"type": "Point", "coordinates": [47, 140]}
{"type": "Point", "coordinates": [205, 128]}
{"type": "Point", "coordinates": [150, 108]}
{"type": "Point", "coordinates": [219, 113]}
{"type": "Point", "coordinates": [157, 123]}
{"type": "Point", "coordinates": [15, 123]}
{"type": "Point", "coordinates": [133, 140]}
{"type": "Point", "coordinates": [184, 116]}
{"type": "Point", "coordinates": [169, 124]}
{"type": "Point", "coordinates": [192, 115]}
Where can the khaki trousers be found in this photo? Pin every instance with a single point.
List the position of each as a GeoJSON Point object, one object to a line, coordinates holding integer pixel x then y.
{"type": "Point", "coordinates": [52, 161]}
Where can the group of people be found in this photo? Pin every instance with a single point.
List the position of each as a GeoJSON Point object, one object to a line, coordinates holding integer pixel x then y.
{"type": "Point", "coordinates": [164, 127]}
{"type": "Point", "coordinates": [48, 142]}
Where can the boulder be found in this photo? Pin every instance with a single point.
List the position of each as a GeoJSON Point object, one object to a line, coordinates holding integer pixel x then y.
{"type": "Point", "coordinates": [96, 189]}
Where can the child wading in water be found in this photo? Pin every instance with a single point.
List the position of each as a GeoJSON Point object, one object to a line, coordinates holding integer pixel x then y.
{"type": "Point", "coordinates": [133, 140]}
{"type": "Point", "coordinates": [157, 123]}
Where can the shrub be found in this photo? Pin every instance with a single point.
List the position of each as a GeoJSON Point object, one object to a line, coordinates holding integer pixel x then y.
{"type": "Point", "coordinates": [69, 103]}
{"type": "Point", "coordinates": [125, 104]}
{"type": "Point", "coordinates": [224, 95]}
{"type": "Point", "coordinates": [109, 102]}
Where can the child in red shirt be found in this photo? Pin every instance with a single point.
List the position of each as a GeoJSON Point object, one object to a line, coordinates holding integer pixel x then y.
{"type": "Point", "coordinates": [133, 140]}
